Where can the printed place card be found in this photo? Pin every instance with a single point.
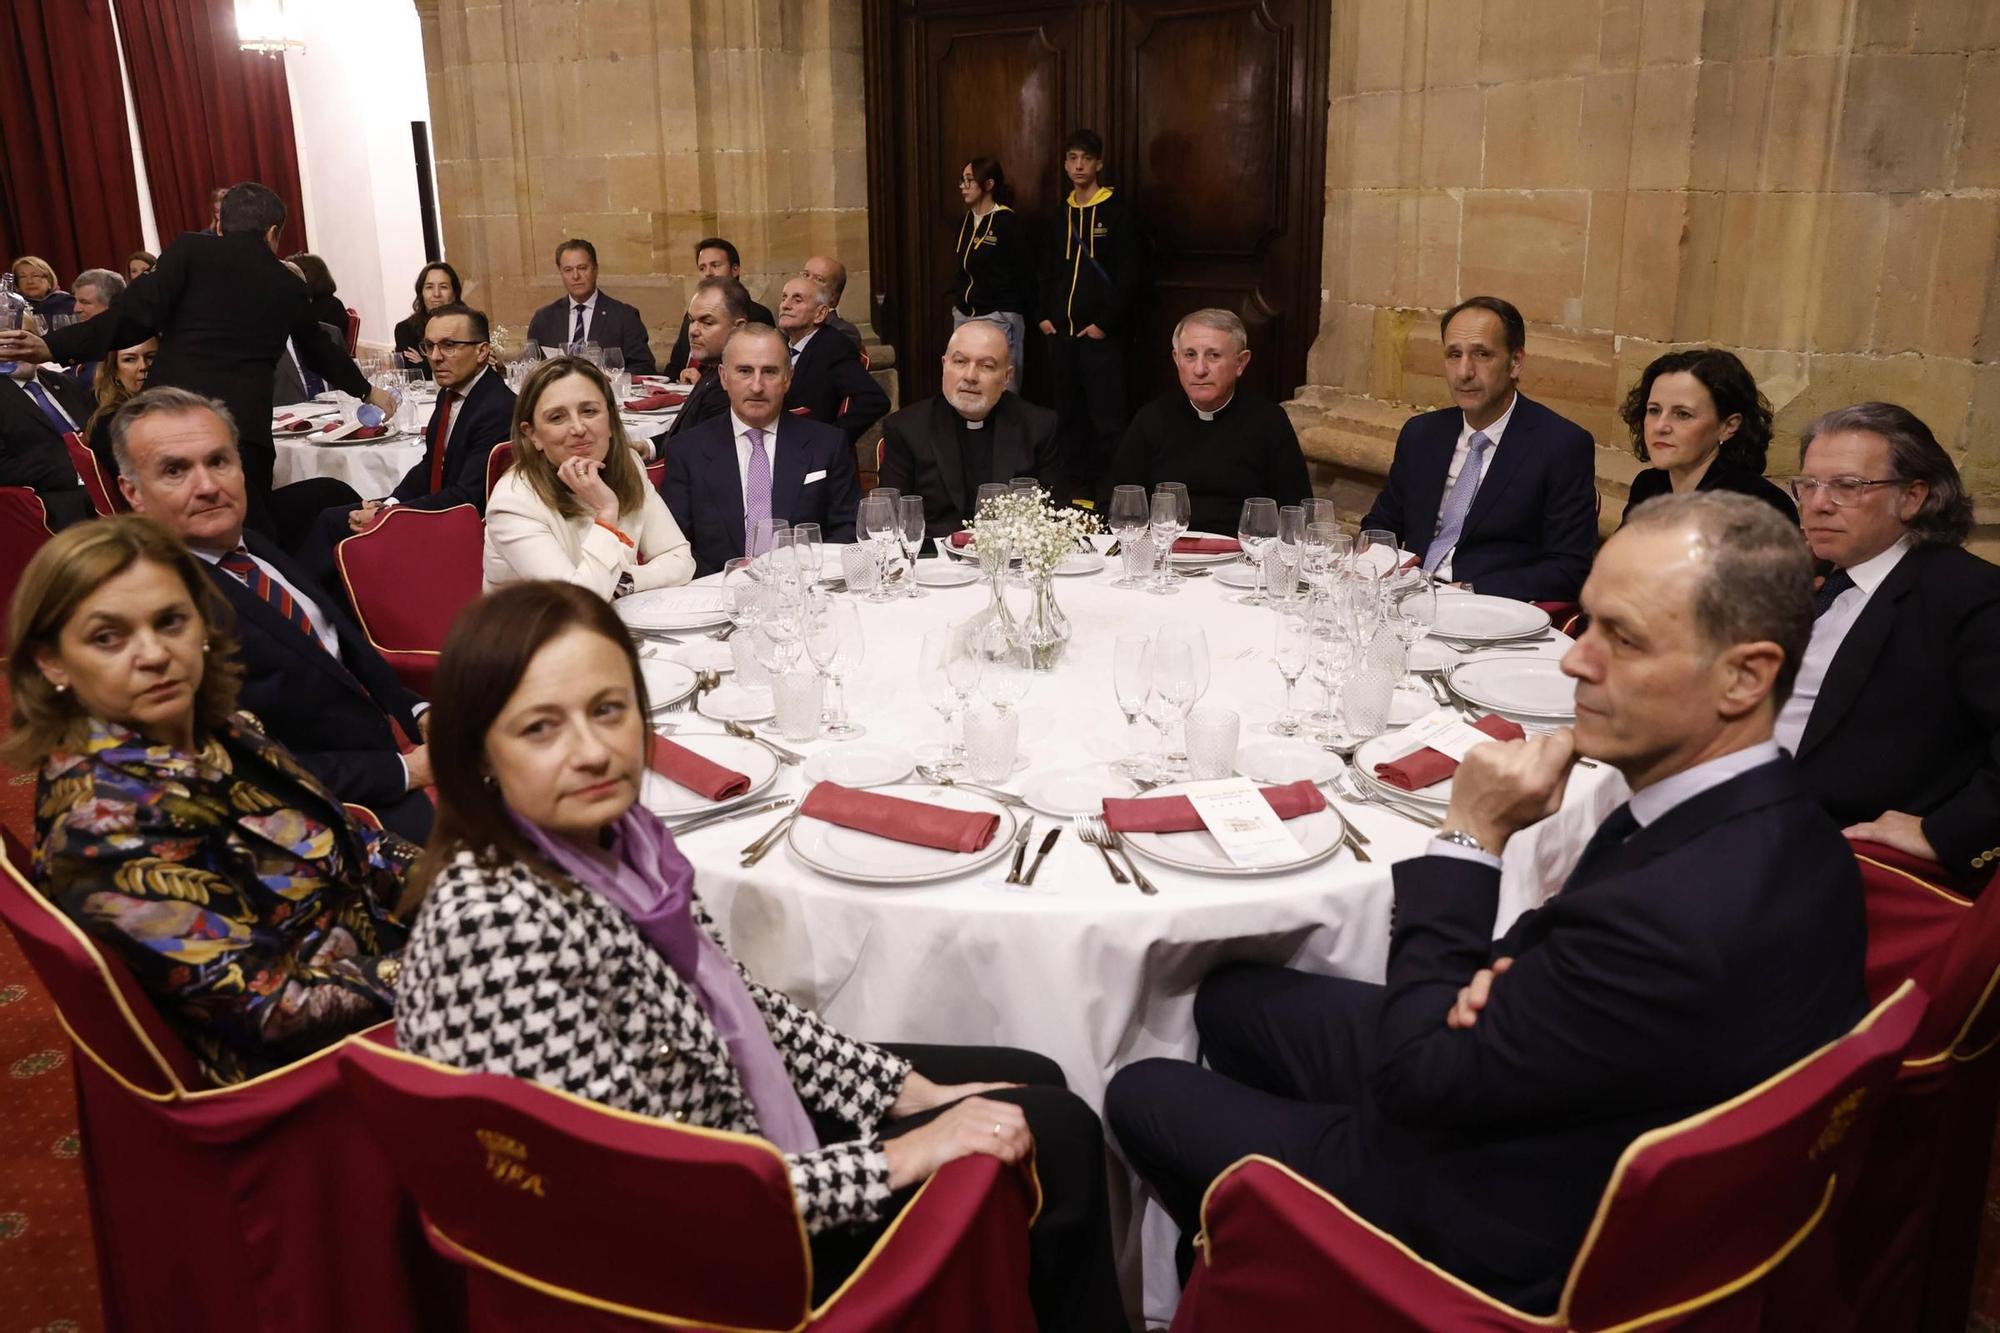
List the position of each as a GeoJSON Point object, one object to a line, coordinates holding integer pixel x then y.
{"type": "Point", "coordinates": [1444, 731]}
{"type": "Point", "coordinates": [1243, 822]}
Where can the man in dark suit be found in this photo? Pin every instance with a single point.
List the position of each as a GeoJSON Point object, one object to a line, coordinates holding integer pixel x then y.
{"type": "Point", "coordinates": [37, 408]}
{"type": "Point", "coordinates": [222, 307]}
{"type": "Point", "coordinates": [717, 309]}
{"type": "Point", "coordinates": [827, 378]}
{"type": "Point", "coordinates": [976, 431]}
{"type": "Point", "coordinates": [831, 274]}
{"type": "Point", "coordinates": [1498, 493]}
{"type": "Point", "coordinates": [1896, 718]}
{"type": "Point", "coordinates": [310, 676]}
{"type": "Point", "coordinates": [714, 257]}
{"type": "Point", "coordinates": [585, 314]}
{"type": "Point", "coordinates": [756, 462]}
{"type": "Point", "coordinates": [1475, 1103]}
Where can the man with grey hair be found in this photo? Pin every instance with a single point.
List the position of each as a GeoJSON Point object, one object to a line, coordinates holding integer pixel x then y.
{"type": "Point", "coordinates": [828, 381]}
{"type": "Point", "coordinates": [1896, 719]}
{"type": "Point", "coordinates": [1226, 445]}
{"type": "Point", "coordinates": [831, 274]}
{"type": "Point", "coordinates": [1475, 1104]}
{"type": "Point", "coordinates": [95, 289]}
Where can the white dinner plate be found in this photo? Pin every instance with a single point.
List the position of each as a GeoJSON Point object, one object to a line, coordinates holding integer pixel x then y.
{"type": "Point", "coordinates": [670, 800]}
{"type": "Point", "coordinates": [1068, 792]}
{"type": "Point", "coordinates": [1238, 575]}
{"type": "Point", "coordinates": [1274, 763]}
{"type": "Point", "coordinates": [1206, 558]}
{"type": "Point", "coordinates": [703, 654]}
{"type": "Point", "coordinates": [1080, 562]}
{"type": "Point", "coordinates": [1515, 683]}
{"type": "Point", "coordinates": [1392, 746]}
{"type": "Point", "coordinates": [674, 608]}
{"type": "Point", "coordinates": [1477, 618]}
{"type": "Point", "coordinates": [861, 764]}
{"type": "Point", "coordinates": [965, 552]}
{"type": "Point", "coordinates": [864, 858]}
{"type": "Point", "coordinates": [1318, 836]}
{"type": "Point", "coordinates": [946, 573]}
{"type": "Point", "coordinates": [666, 682]}
{"type": "Point", "coordinates": [735, 703]}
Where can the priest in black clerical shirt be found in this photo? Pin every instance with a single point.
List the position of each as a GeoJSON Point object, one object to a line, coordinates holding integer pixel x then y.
{"type": "Point", "coordinates": [974, 432]}
{"type": "Point", "coordinates": [1224, 445]}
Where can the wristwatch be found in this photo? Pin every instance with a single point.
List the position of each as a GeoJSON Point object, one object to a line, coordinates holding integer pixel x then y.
{"type": "Point", "coordinates": [1460, 838]}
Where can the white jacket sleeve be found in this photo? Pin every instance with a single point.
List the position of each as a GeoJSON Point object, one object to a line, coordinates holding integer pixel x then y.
{"type": "Point", "coordinates": [668, 560]}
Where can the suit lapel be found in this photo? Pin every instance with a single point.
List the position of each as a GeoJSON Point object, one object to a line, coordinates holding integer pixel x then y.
{"type": "Point", "coordinates": [249, 606]}
{"type": "Point", "coordinates": [1427, 491]}
{"type": "Point", "coordinates": [728, 486]}
{"type": "Point", "coordinates": [950, 458]}
{"type": "Point", "coordinates": [1509, 457]}
{"type": "Point", "coordinates": [788, 470]}
{"type": "Point", "coordinates": [1855, 661]}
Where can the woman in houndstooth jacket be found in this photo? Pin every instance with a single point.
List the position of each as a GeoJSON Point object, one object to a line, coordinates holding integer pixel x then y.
{"type": "Point", "coordinates": [559, 940]}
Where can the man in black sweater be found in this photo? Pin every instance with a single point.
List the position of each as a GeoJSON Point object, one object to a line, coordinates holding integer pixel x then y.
{"type": "Point", "coordinates": [1224, 445]}
{"type": "Point", "coordinates": [1088, 288]}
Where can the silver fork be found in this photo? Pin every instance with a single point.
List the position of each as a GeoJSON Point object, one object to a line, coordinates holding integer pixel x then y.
{"type": "Point", "coordinates": [1089, 829]}
{"type": "Point", "coordinates": [770, 838]}
{"type": "Point", "coordinates": [1356, 792]}
{"type": "Point", "coordinates": [929, 773]}
{"type": "Point", "coordinates": [1351, 836]}
{"type": "Point", "coordinates": [1117, 842]}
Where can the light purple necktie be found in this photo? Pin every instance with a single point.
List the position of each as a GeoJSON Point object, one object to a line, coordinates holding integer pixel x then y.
{"type": "Point", "coordinates": [1458, 504]}
{"type": "Point", "coordinates": [757, 497]}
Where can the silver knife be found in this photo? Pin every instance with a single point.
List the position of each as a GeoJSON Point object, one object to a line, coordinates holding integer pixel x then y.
{"type": "Point", "coordinates": [1021, 848]}
{"type": "Point", "coordinates": [734, 812]}
{"type": "Point", "coordinates": [1041, 852]}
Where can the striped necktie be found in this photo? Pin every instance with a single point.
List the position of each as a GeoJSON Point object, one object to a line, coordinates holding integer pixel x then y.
{"type": "Point", "coordinates": [239, 563]}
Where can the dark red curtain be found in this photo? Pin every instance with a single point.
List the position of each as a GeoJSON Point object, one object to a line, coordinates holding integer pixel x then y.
{"type": "Point", "coordinates": [210, 114]}
{"type": "Point", "coordinates": [66, 187]}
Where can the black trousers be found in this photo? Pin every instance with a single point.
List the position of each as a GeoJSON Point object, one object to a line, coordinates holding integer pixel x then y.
{"type": "Point", "coordinates": [1072, 1277]}
{"type": "Point", "coordinates": [1288, 1054]}
{"type": "Point", "coordinates": [1088, 378]}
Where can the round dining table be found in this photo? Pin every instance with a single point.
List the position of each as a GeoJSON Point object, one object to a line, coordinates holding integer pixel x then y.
{"type": "Point", "coordinates": [1091, 973]}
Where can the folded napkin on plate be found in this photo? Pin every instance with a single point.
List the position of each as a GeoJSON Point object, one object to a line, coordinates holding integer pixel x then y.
{"type": "Point", "coordinates": [1206, 545]}
{"type": "Point", "coordinates": [904, 820]}
{"type": "Point", "coordinates": [290, 425]}
{"type": "Point", "coordinates": [961, 539]}
{"type": "Point", "coordinates": [349, 430]}
{"type": "Point", "coordinates": [655, 402]}
{"type": "Point", "coordinates": [703, 777]}
{"type": "Point", "coordinates": [1176, 814]}
{"type": "Point", "coordinates": [1421, 768]}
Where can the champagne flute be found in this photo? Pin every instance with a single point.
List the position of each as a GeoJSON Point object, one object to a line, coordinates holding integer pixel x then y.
{"type": "Point", "coordinates": [948, 670]}
{"type": "Point", "coordinates": [835, 643]}
{"type": "Point", "coordinates": [1129, 514]}
{"type": "Point", "coordinates": [1131, 682]}
{"type": "Point", "coordinates": [1412, 610]}
{"type": "Point", "coordinates": [1172, 694]}
{"type": "Point", "coordinates": [1195, 641]}
{"type": "Point", "coordinates": [1169, 520]}
{"type": "Point", "coordinates": [1004, 666]}
{"type": "Point", "coordinates": [877, 519]}
{"type": "Point", "coordinates": [1257, 526]}
{"type": "Point", "coordinates": [910, 532]}
{"type": "Point", "coordinates": [808, 551]}
{"type": "Point", "coordinates": [1293, 649]}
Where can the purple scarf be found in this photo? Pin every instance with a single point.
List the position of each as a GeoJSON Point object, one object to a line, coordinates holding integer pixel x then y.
{"type": "Point", "coordinates": [652, 884]}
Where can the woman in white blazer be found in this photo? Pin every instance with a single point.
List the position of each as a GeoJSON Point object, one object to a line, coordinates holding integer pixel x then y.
{"type": "Point", "coordinates": [575, 506]}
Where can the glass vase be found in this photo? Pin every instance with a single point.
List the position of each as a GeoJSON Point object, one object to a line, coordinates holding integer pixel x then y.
{"type": "Point", "coordinates": [1047, 629]}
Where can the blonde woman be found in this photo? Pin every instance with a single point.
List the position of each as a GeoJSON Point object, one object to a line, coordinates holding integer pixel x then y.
{"type": "Point", "coordinates": [118, 378]}
{"type": "Point", "coordinates": [35, 280]}
{"type": "Point", "coordinates": [575, 506]}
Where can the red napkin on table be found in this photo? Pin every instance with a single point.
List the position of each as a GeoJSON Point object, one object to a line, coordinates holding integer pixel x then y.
{"type": "Point", "coordinates": [703, 777]}
{"type": "Point", "coordinates": [906, 821]}
{"type": "Point", "coordinates": [1414, 772]}
{"type": "Point", "coordinates": [289, 425]}
{"type": "Point", "coordinates": [655, 402]}
{"type": "Point", "coordinates": [961, 539]}
{"type": "Point", "coordinates": [360, 433]}
{"type": "Point", "coordinates": [1206, 545]}
{"type": "Point", "coordinates": [1176, 814]}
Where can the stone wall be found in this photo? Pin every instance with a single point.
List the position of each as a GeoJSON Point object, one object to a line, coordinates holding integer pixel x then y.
{"type": "Point", "coordinates": [1814, 183]}
{"type": "Point", "coordinates": [645, 125]}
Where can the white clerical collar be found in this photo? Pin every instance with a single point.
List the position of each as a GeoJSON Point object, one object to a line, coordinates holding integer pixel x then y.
{"type": "Point", "coordinates": [1210, 416]}
{"type": "Point", "coordinates": [1650, 803]}
{"type": "Point", "coordinates": [970, 424]}
{"type": "Point", "coordinates": [1868, 575]}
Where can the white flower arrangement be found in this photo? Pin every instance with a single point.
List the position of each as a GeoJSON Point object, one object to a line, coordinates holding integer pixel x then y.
{"type": "Point", "coordinates": [1026, 526]}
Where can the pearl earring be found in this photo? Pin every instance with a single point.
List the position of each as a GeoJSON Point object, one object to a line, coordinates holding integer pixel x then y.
{"type": "Point", "coordinates": [62, 689]}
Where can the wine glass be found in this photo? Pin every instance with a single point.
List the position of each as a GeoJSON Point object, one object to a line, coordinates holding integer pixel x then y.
{"type": "Point", "coordinates": [1292, 646]}
{"type": "Point", "coordinates": [877, 519]}
{"type": "Point", "coordinates": [835, 644]}
{"type": "Point", "coordinates": [988, 490]}
{"type": "Point", "coordinates": [1196, 642]}
{"type": "Point", "coordinates": [1169, 519]}
{"type": "Point", "coordinates": [1129, 514]}
{"type": "Point", "coordinates": [910, 534]}
{"type": "Point", "coordinates": [1131, 682]}
{"type": "Point", "coordinates": [1004, 665]}
{"type": "Point", "coordinates": [1257, 526]}
{"type": "Point", "coordinates": [1171, 695]}
{"type": "Point", "coordinates": [1410, 598]}
{"type": "Point", "coordinates": [808, 551]}
{"type": "Point", "coordinates": [948, 669]}
{"type": "Point", "coordinates": [1372, 539]}
{"type": "Point", "coordinates": [1330, 654]}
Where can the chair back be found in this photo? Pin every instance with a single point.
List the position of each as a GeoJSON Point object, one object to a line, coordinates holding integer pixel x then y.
{"type": "Point", "coordinates": [101, 1004]}
{"type": "Point", "coordinates": [497, 463]}
{"type": "Point", "coordinates": [1913, 916]}
{"type": "Point", "coordinates": [543, 1189]}
{"type": "Point", "coordinates": [24, 526]}
{"type": "Point", "coordinates": [1779, 1153]}
{"type": "Point", "coordinates": [353, 329]}
{"type": "Point", "coordinates": [1963, 979]}
{"type": "Point", "coordinates": [656, 471]}
{"type": "Point", "coordinates": [105, 497]}
{"type": "Point", "coordinates": [406, 618]}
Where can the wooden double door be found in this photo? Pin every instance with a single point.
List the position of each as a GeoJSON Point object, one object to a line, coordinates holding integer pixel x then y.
{"type": "Point", "coordinates": [1213, 115]}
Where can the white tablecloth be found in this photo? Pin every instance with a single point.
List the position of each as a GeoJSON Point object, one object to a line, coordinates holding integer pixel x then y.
{"type": "Point", "coordinates": [1090, 973]}
{"type": "Point", "coordinates": [372, 468]}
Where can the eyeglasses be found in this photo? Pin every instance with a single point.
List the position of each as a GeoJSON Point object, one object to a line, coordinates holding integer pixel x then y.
{"type": "Point", "coordinates": [1843, 491]}
{"type": "Point", "coordinates": [446, 345]}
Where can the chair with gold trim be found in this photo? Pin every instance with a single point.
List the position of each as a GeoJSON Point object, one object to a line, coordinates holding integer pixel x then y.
{"type": "Point", "coordinates": [1721, 1221]}
{"type": "Point", "coordinates": [263, 1205]}
{"type": "Point", "coordinates": [105, 497]}
{"type": "Point", "coordinates": [568, 1215]}
{"type": "Point", "coordinates": [24, 526]}
{"type": "Point", "coordinates": [407, 578]}
{"type": "Point", "coordinates": [498, 460]}
{"type": "Point", "coordinates": [1909, 1242]}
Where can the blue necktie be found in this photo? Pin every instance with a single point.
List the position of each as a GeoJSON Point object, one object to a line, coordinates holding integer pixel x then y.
{"type": "Point", "coordinates": [55, 415]}
{"type": "Point", "coordinates": [578, 337]}
{"type": "Point", "coordinates": [1458, 504]}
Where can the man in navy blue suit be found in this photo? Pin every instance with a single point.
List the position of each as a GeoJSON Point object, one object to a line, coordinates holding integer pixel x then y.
{"type": "Point", "coordinates": [1497, 493]}
{"type": "Point", "coordinates": [1475, 1103]}
{"type": "Point", "coordinates": [309, 675]}
{"type": "Point", "coordinates": [757, 462]}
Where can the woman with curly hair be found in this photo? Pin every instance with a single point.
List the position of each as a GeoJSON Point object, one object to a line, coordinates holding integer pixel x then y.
{"type": "Point", "coordinates": [1698, 417]}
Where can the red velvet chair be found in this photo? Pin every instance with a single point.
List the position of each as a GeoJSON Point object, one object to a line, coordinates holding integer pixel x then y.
{"type": "Point", "coordinates": [1909, 1240]}
{"type": "Point", "coordinates": [497, 463]}
{"type": "Point", "coordinates": [1721, 1221]}
{"type": "Point", "coordinates": [571, 1216]}
{"type": "Point", "coordinates": [353, 329]}
{"type": "Point", "coordinates": [656, 471]}
{"type": "Point", "coordinates": [105, 497]}
{"type": "Point", "coordinates": [259, 1206]}
{"type": "Point", "coordinates": [24, 526]}
{"type": "Point", "coordinates": [407, 578]}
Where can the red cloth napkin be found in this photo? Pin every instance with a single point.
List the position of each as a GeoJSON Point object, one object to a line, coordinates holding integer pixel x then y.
{"type": "Point", "coordinates": [1176, 814]}
{"type": "Point", "coordinates": [292, 425]}
{"type": "Point", "coordinates": [961, 539]}
{"type": "Point", "coordinates": [1414, 772]}
{"type": "Point", "coordinates": [704, 777]}
{"type": "Point", "coordinates": [654, 402]}
{"type": "Point", "coordinates": [1206, 545]}
{"type": "Point", "coordinates": [906, 821]}
{"type": "Point", "coordinates": [363, 433]}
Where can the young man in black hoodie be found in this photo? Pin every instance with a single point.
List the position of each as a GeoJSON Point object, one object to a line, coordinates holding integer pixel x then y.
{"type": "Point", "coordinates": [1088, 288]}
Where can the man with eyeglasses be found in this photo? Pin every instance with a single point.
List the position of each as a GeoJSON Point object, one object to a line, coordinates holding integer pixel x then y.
{"type": "Point", "coordinates": [1895, 720]}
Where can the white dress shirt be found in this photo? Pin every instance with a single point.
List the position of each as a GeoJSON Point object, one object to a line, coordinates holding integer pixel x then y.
{"type": "Point", "coordinates": [1828, 633]}
{"type": "Point", "coordinates": [1459, 454]}
{"type": "Point", "coordinates": [800, 345]}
